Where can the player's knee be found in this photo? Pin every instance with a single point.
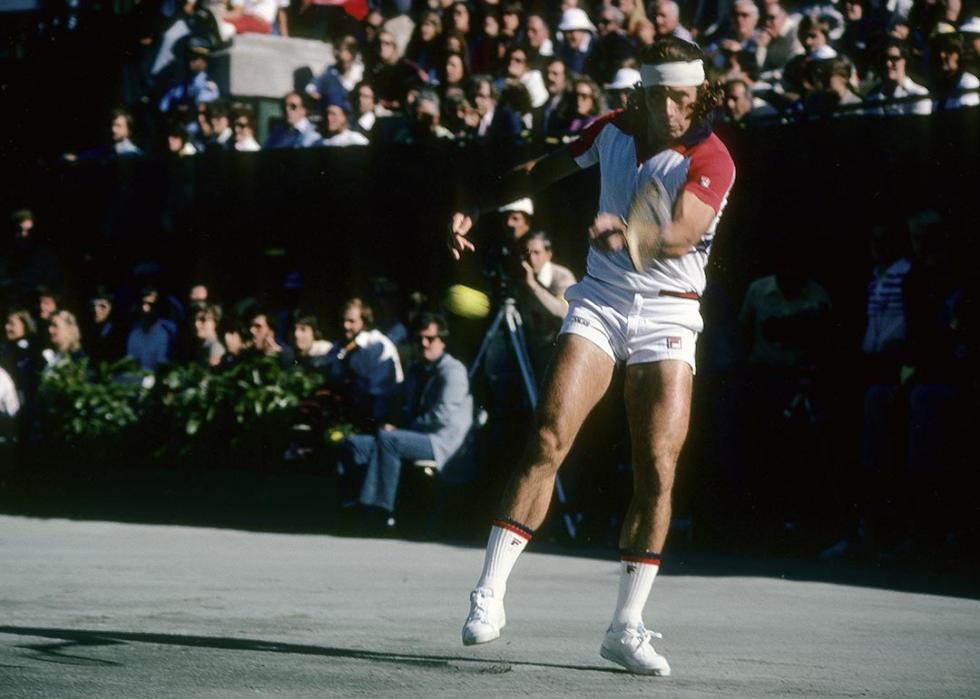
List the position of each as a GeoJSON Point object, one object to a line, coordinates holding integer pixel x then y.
{"type": "Point", "coordinates": [655, 479]}
{"type": "Point", "coordinates": [549, 446]}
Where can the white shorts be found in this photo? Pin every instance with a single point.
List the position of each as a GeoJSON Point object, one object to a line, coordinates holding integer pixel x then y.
{"type": "Point", "coordinates": [632, 327]}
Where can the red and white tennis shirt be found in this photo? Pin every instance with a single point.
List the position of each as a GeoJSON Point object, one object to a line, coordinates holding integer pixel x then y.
{"type": "Point", "coordinates": [701, 164]}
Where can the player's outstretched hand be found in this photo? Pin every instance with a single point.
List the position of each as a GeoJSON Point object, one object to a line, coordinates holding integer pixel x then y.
{"type": "Point", "coordinates": [458, 230]}
{"type": "Point", "coordinates": [606, 232]}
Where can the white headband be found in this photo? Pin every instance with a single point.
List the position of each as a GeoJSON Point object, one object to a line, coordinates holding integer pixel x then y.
{"type": "Point", "coordinates": [677, 74]}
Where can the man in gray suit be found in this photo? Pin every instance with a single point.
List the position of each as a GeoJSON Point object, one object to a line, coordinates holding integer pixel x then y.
{"type": "Point", "coordinates": [436, 414]}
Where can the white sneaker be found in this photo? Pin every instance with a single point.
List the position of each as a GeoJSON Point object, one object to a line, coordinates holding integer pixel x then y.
{"type": "Point", "coordinates": [486, 617]}
{"type": "Point", "coordinates": [631, 648]}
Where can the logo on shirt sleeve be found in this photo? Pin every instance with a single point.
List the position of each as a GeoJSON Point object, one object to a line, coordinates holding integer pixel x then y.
{"type": "Point", "coordinates": [674, 343]}
{"type": "Point", "coordinates": [705, 181]}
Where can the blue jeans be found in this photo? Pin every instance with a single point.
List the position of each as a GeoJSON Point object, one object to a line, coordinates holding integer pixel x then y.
{"type": "Point", "coordinates": [382, 456]}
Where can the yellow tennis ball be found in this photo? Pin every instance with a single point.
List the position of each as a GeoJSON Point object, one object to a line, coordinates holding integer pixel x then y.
{"type": "Point", "coordinates": [466, 302]}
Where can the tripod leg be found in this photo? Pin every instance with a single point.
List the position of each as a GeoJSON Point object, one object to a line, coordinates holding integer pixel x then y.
{"type": "Point", "coordinates": [487, 339]}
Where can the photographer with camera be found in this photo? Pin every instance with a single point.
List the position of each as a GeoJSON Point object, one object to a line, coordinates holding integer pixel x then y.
{"type": "Point", "coordinates": [542, 301]}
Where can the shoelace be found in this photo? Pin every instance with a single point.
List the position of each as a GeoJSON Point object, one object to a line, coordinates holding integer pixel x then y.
{"type": "Point", "coordinates": [479, 612]}
{"type": "Point", "coordinates": [642, 634]}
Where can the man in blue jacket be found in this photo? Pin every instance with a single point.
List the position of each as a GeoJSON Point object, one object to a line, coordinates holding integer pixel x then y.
{"type": "Point", "coordinates": [435, 415]}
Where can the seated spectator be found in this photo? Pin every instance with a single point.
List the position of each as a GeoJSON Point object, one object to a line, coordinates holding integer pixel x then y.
{"type": "Point", "coordinates": [121, 129]}
{"type": "Point", "coordinates": [336, 131]}
{"type": "Point", "coordinates": [106, 336]}
{"type": "Point", "coordinates": [197, 87]}
{"type": "Point", "coordinates": [832, 88]}
{"type": "Point", "coordinates": [426, 122]}
{"type": "Point", "coordinates": [245, 130]}
{"type": "Point", "coordinates": [209, 351]}
{"type": "Point", "coordinates": [539, 45]}
{"type": "Point", "coordinates": [498, 125]}
{"type": "Point", "coordinates": [512, 23]}
{"type": "Point", "coordinates": [552, 119]}
{"type": "Point", "coordinates": [453, 72]}
{"type": "Point", "coordinates": [366, 109]}
{"type": "Point", "coordinates": [424, 48]}
{"type": "Point", "coordinates": [739, 35]}
{"type": "Point", "coordinates": [297, 132]}
{"type": "Point", "coordinates": [199, 130]}
{"type": "Point", "coordinates": [487, 49]}
{"type": "Point", "coordinates": [741, 106]}
{"type": "Point", "coordinates": [20, 352]}
{"type": "Point", "coordinates": [950, 81]}
{"type": "Point", "coordinates": [622, 86]}
{"type": "Point", "coordinates": [814, 34]}
{"type": "Point", "coordinates": [612, 47]}
{"type": "Point", "coordinates": [666, 21]}
{"type": "Point", "coordinates": [222, 136]}
{"type": "Point", "coordinates": [577, 38]}
{"type": "Point", "coordinates": [151, 339]}
{"type": "Point", "coordinates": [311, 348]}
{"type": "Point", "coordinates": [435, 415]}
{"type": "Point", "coordinates": [263, 338]}
{"type": "Point", "coordinates": [389, 73]}
{"type": "Point", "coordinates": [896, 84]}
{"type": "Point", "coordinates": [236, 339]}
{"type": "Point", "coordinates": [517, 69]}
{"type": "Point", "coordinates": [778, 42]}
{"type": "Point", "coordinates": [178, 140]}
{"type": "Point", "coordinates": [198, 293]}
{"type": "Point", "coordinates": [364, 364]}
{"type": "Point", "coordinates": [65, 339]}
{"type": "Point", "coordinates": [346, 72]}
{"type": "Point", "coordinates": [588, 104]}
{"type": "Point", "coordinates": [864, 34]}
{"type": "Point", "coordinates": [48, 303]}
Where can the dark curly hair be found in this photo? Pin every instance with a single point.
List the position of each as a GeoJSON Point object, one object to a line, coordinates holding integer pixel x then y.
{"type": "Point", "coordinates": [670, 49]}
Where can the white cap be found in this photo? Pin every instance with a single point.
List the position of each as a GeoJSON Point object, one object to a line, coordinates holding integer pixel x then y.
{"type": "Point", "coordinates": [822, 53]}
{"type": "Point", "coordinates": [525, 206]}
{"type": "Point", "coordinates": [624, 79]}
{"type": "Point", "coordinates": [970, 26]}
{"type": "Point", "coordinates": [574, 19]}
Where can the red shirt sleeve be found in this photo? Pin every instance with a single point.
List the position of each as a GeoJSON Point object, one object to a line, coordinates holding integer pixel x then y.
{"type": "Point", "coordinates": [711, 173]}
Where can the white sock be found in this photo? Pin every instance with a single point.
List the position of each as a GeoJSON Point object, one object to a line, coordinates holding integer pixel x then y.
{"type": "Point", "coordinates": [507, 539]}
{"type": "Point", "coordinates": [637, 572]}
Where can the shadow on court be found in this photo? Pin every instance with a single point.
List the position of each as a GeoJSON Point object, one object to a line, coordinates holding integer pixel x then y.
{"type": "Point", "coordinates": [70, 639]}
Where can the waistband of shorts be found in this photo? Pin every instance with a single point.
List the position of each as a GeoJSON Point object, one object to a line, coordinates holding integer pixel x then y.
{"type": "Point", "coordinates": [670, 293]}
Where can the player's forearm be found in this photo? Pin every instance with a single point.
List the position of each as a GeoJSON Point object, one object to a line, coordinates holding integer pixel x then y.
{"type": "Point", "coordinates": [554, 305]}
{"type": "Point", "coordinates": [527, 179]}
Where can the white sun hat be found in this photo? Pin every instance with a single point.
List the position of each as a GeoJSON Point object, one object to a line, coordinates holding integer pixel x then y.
{"type": "Point", "coordinates": [624, 79]}
{"type": "Point", "coordinates": [575, 19]}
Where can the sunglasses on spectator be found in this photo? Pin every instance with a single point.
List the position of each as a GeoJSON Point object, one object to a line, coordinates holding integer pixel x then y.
{"type": "Point", "coordinates": [241, 124]}
{"type": "Point", "coordinates": [893, 57]}
{"type": "Point", "coordinates": [293, 105]}
{"type": "Point", "coordinates": [422, 339]}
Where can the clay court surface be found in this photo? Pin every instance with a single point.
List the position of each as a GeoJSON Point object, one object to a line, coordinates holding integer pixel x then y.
{"type": "Point", "coordinates": [93, 609]}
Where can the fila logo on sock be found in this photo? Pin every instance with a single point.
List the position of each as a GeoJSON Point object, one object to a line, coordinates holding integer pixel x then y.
{"type": "Point", "coordinates": [515, 542]}
{"type": "Point", "coordinates": [630, 569]}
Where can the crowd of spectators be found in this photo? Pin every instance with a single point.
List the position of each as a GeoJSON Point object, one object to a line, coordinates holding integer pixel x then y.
{"type": "Point", "coordinates": [507, 72]}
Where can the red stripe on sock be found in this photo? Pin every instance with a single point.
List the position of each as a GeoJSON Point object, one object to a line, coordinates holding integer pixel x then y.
{"type": "Point", "coordinates": [640, 559]}
{"type": "Point", "coordinates": [512, 528]}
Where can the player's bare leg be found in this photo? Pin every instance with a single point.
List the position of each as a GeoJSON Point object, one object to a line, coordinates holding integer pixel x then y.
{"type": "Point", "coordinates": [578, 378]}
{"type": "Point", "coordinates": [658, 405]}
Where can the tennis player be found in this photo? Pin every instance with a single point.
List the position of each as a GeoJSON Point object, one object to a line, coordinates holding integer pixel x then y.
{"type": "Point", "coordinates": [665, 179]}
